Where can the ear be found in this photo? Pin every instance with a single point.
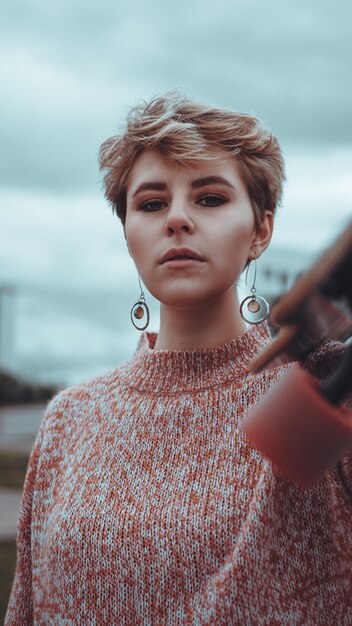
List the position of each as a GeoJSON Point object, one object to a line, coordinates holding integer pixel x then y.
{"type": "Point", "coordinates": [262, 235]}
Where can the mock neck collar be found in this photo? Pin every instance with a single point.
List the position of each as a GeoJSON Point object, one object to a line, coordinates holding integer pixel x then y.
{"type": "Point", "coordinates": [174, 371]}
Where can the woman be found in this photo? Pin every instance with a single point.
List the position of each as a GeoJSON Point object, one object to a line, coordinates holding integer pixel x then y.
{"type": "Point", "coordinates": [144, 502]}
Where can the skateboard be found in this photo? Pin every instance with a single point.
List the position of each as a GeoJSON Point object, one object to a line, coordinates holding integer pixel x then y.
{"type": "Point", "coordinates": [305, 315]}
{"type": "Point", "coordinates": [300, 424]}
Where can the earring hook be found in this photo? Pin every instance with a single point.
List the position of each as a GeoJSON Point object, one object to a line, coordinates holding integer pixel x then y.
{"type": "Point", "coordinates": [253, 289]}
{"type": "Point", "coordinates": [142, 296]}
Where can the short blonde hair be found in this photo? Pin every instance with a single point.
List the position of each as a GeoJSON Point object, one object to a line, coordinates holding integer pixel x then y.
{"type": "Point", "coordinates": [184, 132]}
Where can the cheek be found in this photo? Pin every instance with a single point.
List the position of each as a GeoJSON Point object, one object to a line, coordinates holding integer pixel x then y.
{"type": "Point", "coordinates": [237, 237]}
{"type": "Point", "coordinates": [139, 246]}
{"type": "Point", "coordinates": [233, 250]}
{"type": "Point", "coordinates": [135, 246]}
{"type": "Point", "coordinates": [134, 240]}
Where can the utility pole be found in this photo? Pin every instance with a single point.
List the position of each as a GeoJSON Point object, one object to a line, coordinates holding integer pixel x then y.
{"type": "Point", "coordinates": [4, 290]}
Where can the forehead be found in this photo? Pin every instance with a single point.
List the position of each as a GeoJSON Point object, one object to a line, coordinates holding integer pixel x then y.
{"type": "Point", "coordinates": [150, 165]}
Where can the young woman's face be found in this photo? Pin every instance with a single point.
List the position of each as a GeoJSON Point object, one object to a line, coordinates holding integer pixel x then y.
{"type": "Point", "coordinates": [206, 210]}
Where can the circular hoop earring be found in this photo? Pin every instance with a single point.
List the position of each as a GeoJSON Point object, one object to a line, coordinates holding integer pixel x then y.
{"type": "Point", "coordinates": [254, 309]}
{"type": "Point", "coordinates": [139, 309]}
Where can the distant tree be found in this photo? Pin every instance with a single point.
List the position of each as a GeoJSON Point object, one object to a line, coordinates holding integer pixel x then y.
{"type": "Point", "coordinates": [14, 390]}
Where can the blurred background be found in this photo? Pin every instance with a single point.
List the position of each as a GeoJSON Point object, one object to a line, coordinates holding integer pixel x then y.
{"type": "Point", "coordinates": [69, 72]}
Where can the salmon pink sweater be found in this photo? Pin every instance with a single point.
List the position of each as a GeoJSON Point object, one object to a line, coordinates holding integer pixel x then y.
{"type": "Point", "coordinates": [145, 503]}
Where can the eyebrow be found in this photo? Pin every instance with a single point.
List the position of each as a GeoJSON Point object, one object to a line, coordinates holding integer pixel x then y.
{"type": "Point", "coordinates": [195, 184]}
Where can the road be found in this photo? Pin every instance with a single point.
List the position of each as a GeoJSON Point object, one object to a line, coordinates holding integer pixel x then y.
{"type": "Point", "coordinates": [10, 500]}
{"type": "Point", "coordinates": [18, 427]}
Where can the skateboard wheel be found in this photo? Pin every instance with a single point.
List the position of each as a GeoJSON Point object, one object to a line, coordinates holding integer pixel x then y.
{"type": "Point", "coordinates": [298, 429]}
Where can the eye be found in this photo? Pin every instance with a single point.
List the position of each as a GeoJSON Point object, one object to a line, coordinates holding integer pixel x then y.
{"type": "Point", "coordinates": [152, 205]}
{"type": "Point", "coordinates": [212, 200]}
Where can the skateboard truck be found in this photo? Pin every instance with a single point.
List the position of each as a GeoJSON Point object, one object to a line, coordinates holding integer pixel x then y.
{"type": "Point", "coordinates": [299, 424]}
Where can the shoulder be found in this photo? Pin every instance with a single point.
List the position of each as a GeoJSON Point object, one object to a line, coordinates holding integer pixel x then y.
{"type": "Point", "coordinates": [82, 397]}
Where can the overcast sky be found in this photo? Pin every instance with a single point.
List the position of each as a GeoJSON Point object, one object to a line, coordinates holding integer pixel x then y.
{"type": "Point", "coordinates": [69, 72]}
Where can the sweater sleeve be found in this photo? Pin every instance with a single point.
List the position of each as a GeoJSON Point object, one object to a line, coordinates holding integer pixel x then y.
{"type": "Point", "coordinates": [20, 607]}
{"type": "Point", "coordinates": [324, 358]}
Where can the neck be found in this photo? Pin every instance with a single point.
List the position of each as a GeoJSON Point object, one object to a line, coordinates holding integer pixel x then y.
{"type": "Point", "coordinates": [200, 327]}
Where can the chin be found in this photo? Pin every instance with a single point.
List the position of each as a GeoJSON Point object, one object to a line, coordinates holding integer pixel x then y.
{"type": "Point", "coordinates": [187, 297]}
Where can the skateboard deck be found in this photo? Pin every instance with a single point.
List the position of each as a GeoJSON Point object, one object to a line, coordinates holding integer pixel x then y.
{"type": "Point", "coordinates": [305, 315]}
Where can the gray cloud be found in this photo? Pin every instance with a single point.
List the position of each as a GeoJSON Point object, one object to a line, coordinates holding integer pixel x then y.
{"type": "Point", "coordinates": [71, 69]}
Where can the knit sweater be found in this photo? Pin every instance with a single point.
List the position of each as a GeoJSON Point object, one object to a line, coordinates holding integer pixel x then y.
{"type": "Point", "coordinates": [145, 503]}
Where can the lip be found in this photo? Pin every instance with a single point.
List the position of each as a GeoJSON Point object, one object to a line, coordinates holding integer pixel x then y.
{"type": "Point", "coordinates": [180, 263]}
{"type": "Point", "coordinates": [170, 255]}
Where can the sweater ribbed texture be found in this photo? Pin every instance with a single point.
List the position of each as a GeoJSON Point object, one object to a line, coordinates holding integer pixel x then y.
{"type": "Point", "coordinates": [145, 503]}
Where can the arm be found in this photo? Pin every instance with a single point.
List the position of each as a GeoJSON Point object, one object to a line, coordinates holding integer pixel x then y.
{"type": "Point", "coordinates": [303, 427]}
{"type": "Point", "coordinates": [322, 363]}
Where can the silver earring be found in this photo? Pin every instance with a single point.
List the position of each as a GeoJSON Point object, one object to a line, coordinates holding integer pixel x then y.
{"type": "Point", "coordinates": [254, 309]}
{"type": "Point", "coordinates": [139, 309]}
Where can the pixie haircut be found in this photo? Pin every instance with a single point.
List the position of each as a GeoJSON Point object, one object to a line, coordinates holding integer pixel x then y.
{"type": "Point", "coordinates": [186, 132]}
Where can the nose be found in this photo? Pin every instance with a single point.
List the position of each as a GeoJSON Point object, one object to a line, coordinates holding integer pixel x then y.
{"type": "Point", "coordinates": [178, 219]}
